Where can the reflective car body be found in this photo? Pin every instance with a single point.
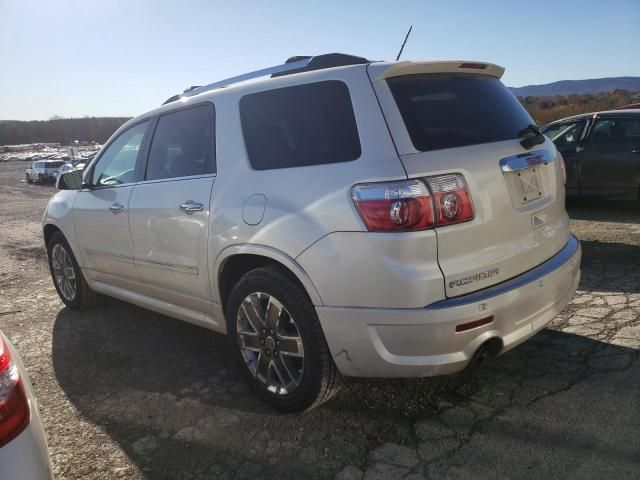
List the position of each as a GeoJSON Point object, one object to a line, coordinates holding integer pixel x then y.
{"type": "Point", "coordinates": [25, 456]}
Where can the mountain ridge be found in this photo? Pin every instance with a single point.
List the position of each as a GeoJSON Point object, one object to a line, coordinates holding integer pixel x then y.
{"type": "Point", "coordinates": [568, 87]}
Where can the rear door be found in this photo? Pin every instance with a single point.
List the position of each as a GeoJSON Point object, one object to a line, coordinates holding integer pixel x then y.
{"type": "Point", "coordinates": [169, 209]}
{"type": "Point", "coordinates": [469, 123]}
{"type": "Point", "coordinates": [610, 160]}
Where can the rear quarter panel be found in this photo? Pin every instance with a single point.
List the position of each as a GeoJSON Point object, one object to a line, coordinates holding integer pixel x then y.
{"type": "Point", "coordinates": [303, 204]}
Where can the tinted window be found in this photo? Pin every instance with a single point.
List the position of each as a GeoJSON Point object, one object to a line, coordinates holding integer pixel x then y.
{"type": "Point", "coordinates": [298, 126]}
{"type": "Point", "coordinates": [445, 111]}
{"type": "Point", "coordinates": [182, 144]}
{"type": "Point", "coordinates": [565, 134]}
{"type": "Point", "coordinates": [117, 165]}
{"type": "Point", "coordinates": [616, 131]}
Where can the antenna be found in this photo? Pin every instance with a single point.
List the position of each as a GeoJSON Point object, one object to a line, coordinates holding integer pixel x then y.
{"type": "Point", "coordinates": [404, 43]}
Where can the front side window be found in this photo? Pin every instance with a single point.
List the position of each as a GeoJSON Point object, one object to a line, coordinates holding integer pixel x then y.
{"type": "Point", "coordinates": [566, 134]}
{"type": "Point", "coordinates": [302, 125]}
{"type": "Point", "coordinates": [117, 165]}
{"type": "Point", "coordinates": [182, 144]}
{"type": "Point", "coordinates": [454, 110]}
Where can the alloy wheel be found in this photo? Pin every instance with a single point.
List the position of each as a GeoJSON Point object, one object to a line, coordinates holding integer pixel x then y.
{"type": "Point", "coordinates": [270, 343]}
{"type": "Point", "coordinates": [63, 271]}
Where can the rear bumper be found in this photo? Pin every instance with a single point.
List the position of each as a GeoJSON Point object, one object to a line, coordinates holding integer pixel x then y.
{"type": "Point", "coordinates": [376, 342]}
{"type": "Point", "coordinates": [26, 456]}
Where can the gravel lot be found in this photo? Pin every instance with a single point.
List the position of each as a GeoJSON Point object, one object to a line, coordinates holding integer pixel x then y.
{"type": "Point", "coordinates": [127, 393]}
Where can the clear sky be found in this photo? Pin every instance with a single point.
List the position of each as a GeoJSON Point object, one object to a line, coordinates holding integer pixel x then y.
{"type": "Point", "coordinates": [122, 57]}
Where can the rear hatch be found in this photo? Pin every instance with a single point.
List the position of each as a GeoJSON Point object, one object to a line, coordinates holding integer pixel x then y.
{"type": "Point", "coordinates": [457, 117]}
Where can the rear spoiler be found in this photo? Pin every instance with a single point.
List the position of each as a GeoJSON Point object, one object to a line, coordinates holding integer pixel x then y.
{"type": "Point", "coordinates": [461, 66]}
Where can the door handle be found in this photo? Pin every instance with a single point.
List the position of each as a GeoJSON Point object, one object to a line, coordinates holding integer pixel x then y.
{"type": "Point", "coordinates": [190, 206]}
{"type": "Point", "coordinates": [116, 208]}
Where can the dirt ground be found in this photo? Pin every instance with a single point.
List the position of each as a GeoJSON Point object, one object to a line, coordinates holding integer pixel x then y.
{"type": "Point", "coordinates": [127, 393]}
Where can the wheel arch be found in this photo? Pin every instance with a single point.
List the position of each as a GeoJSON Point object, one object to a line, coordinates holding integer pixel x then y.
{"type": "Point", "coordinates": [48, 230]}
{"type": "Point", "coordinates": [235, 261]}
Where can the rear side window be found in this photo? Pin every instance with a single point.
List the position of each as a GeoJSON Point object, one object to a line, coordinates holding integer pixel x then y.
{"type": "Point", "coordinates": [298, 126]}
{"type": "Point", "coordinates": [182, 144]}
{"type": "Point", "coordinates": [446, 111]}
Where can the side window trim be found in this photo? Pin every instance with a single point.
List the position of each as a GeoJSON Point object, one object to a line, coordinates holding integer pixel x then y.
{"type": "Point", "coordinates": [139, 158]}
{"type": "Point", "coordinates": [151, 133]}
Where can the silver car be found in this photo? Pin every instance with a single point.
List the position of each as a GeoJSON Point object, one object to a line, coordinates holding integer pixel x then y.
{"type": "Point", "coordinates": [23, 447]}
{"type": "Point", "coordinates": [340, 217]}
{"type": "Point", "coordinates": [42, 171]}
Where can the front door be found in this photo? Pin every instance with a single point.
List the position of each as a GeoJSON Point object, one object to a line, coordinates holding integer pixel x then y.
{"type": "Point", "coordinates": [169, 210]}
{"type": "Point", "coordinates": [566, 137]}
{"type": "Point", "coordinates": [101, 210]}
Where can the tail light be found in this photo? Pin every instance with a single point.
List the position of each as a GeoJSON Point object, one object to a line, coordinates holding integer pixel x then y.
{"type": "Point", "coordinates": [14, 406]}
{"type": "Point", "coordinates": [394, 206]}
{"type": "Point", "coordinates": [452, 199]}
{"type": "Point", "coordinates": [410, 205]}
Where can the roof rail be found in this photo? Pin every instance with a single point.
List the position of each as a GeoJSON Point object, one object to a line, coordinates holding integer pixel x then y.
{"type": "Point", "coordinates": [292, 65]}
{"type": "Point", "coordinates": [191, 91]}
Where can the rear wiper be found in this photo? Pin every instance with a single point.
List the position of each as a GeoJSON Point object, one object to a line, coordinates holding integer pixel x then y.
{"type": "Point", "coordinates": [532, 136]}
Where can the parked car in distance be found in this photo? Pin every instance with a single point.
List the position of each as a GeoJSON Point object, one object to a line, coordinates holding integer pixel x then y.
{"type": "Point", "coordinates": [340, 217]}
{"type": "Point", "coordinates": [42, 171]}
{"type": "Point", "coordinates": [23, 446]}
{"type": "Point", "coordinates": [601, 152]}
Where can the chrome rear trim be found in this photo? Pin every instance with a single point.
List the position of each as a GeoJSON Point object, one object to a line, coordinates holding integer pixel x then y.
{"type": "Point", "coordinates": [527, 160]}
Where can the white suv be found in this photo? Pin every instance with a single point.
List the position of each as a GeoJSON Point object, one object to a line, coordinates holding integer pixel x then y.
{"type": "Point", "coordinates": [341, 217]}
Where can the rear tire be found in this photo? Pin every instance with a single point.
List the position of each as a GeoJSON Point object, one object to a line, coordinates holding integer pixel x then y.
{"type": "Point", "coordinates": [67, 276]}
{"type": "Point", "coordinates": [284, 304]}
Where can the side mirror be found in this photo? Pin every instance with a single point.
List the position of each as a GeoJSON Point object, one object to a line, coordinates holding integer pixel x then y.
{"type": "Point", "coordinates": [70, 180]}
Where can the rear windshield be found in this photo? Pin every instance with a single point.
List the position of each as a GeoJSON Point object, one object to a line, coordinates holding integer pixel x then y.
{"type": "Point", "coordinates": [446, 111]}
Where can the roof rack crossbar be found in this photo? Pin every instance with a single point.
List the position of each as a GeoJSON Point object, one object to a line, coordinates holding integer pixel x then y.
{"type": "Point", "coordinates": [285, 67]}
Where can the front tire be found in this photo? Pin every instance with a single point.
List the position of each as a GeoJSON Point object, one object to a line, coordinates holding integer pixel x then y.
{"type": "Point", "coordinates": [28, 178]}
{"type": "Point", "coordinates": [67, 276]}
{"type": "Point", "coordinates": [275, 336]}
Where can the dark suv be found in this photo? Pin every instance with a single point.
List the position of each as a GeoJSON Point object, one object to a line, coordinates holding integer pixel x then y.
{"type": "Point", "coordinates": [601, 152]}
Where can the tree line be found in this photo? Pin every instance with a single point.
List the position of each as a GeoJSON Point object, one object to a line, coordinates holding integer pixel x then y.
{"type": "Point", "coordinates": [547, 109]}
{"type": "Point", "coordinates": [63, 130]}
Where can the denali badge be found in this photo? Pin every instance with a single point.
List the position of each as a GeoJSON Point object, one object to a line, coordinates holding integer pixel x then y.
{"type": "Point", "coordinates": [474, 278]}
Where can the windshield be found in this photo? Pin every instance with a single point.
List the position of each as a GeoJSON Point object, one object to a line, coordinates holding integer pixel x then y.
{"type": "Point", "coordinates": [55, 164]}
{"type": "Point", "coordinates": [446, 111]}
